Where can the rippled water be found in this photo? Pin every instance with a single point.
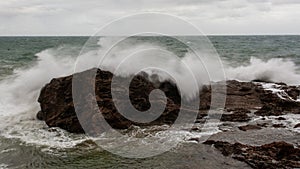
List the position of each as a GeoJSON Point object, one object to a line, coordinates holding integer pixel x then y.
{"type": "Point", "coordinates": [27, 63]}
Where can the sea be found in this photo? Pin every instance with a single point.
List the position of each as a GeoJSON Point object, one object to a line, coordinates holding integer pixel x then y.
{"type": "Point", "coordinates": [28, 63]}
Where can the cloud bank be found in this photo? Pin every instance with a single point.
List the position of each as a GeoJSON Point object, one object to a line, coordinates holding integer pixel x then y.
{"type": "Point", "coordinates": [77, 17]}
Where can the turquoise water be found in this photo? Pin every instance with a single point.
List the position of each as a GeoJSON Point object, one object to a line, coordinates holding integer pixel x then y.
{"type": "Point", "coordinates": [241, 48]}
{"type": "Point", "coordinates": [16, 52]}
{"type": "Point", "coordinates": [27, 63]}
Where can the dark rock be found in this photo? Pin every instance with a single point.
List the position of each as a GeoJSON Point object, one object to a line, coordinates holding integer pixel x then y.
{"type": "Point", "coordinates": [297, 125]}
{"type": "Point", "coordinates": [195, 129]}
{"type": "Point", "coordinates": [57, 103]}
{"type": "Point", "coordinates": [57, 107]}
{"type": "Point", "coordinates": [194, 139]}
{"type": "Point", "coordinates": [278, 126]}
{"type": "Point", "coordinates": [236, 115]}
{"type": "Point", "coordinates": [280, 118]}
{"type": "Point", "coordinates": [249, 127]}
{"type": "Point", "coordinates": [40, 115]}
{"type": "Point", "coordinates": [281, 83]}
{"type": "Point", "coordinates": [292, 91]}
{"type": "Point", "coordinates": [274, 155]}
{"type": "Point", "coordinates": [242, 95]}
{"type": "Point", "coordinates": [264, 80]}
{"type": "Point", "coordinates": [276, 106]}
{"type": "Point", "coordinates": [87, 144]}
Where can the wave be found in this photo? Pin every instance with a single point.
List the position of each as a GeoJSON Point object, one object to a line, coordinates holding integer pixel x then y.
{"type": "Point", "coordinates": [18, 100]}
{"type": "Point", "coordinates": [272, 70]}
{"type": "Point", "coordinates": [19, 92]}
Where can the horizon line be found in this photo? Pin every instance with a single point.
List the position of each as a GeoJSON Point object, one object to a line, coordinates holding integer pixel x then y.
{"type": "Point", "coordinates": [170, 35]}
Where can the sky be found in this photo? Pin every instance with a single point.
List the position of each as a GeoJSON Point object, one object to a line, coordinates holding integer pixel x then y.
{"type": "Point", "coordinates": [213, 17]}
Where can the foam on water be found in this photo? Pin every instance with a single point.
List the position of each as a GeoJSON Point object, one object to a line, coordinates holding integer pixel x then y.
{"type": "Point", "coordinates": [277, 89]}
{"type": "Point", "coordinates": [291, 120]}
{"type": "Point", "coordinates": [18, 100]}
{"type": "Point", "coordinates": [3, 166]}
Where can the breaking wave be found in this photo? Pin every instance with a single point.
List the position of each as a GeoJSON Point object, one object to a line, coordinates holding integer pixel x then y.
{"type": "Point", "coordinates": [19, 92]}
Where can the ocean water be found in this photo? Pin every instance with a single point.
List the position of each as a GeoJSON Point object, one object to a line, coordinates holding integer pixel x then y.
{"type": "Point", "coordinates": [28, 63]}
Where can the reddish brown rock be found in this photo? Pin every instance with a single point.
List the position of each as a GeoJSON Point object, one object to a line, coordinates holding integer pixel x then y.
{"type": "Point", "coordinates": [57, 104]}
{"type": "Point", "coordinates": [57, 107]}
{"type": "Point", "coordinates": [276, 106]}
{"type": "Point", "coordinates": [278, 126]}
{"type": "Point", "coordinates": [280, 118]}
{"type": "Point", "coordinates": [275, 155]}
{"type": "Point", "coordinates": [244, 95]}
{"type": "Point", "coordinates": [236, 115]}
{"type": "Point", "coordinates": [249, 127]}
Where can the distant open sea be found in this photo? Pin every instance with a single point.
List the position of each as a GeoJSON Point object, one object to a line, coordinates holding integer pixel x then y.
{"type": "Point", "coordinates": [28, 63]}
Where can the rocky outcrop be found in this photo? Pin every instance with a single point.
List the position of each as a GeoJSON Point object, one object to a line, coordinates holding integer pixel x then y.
{"type": "Point", "coordinates": [236, 115]}
{"type": "Point", "coordinates": [57, 104]}
{"type": "Point", "coordinates": [284, 103]}
{"type": "Point", "coordinates": [275, 155]}
{"type": "Point", "coordinates": [57, 107]}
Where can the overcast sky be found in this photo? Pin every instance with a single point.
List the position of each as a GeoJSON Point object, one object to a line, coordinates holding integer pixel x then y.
{"type": "Point", "coordinates": [85, 17]}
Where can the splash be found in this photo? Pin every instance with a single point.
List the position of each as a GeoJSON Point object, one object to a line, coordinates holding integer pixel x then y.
{"type": "Point", "coordinates": [274, 70]}
{"type": "Point", "coordinates": [19, 93]}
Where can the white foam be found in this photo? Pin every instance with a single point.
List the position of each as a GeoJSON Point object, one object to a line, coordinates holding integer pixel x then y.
{"type": "Point", "coordinates": [291, 121]}
{"type": "Point", "coordinates": [153, 138]}
{"type": "Point", "coordinates": [3, 166]}
{"type": "Point", "coordinates": [277, 89]}
{"type": "Point", "coordinates": [18, 100]}
{"type": "Point", "coordinates": [275, 69]}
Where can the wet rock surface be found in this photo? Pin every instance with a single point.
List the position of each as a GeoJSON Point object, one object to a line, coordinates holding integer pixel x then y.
{"type": "Point", "coordinates": [57, 105]}
{"type": "Point", "coordinates": [273, 155]}
{"type": "Point", "coordinates": [243, 138]}
{"type": "Point", "coordinates": [249, 127]}
{"type": "Point", "coordinates": [236, 115]}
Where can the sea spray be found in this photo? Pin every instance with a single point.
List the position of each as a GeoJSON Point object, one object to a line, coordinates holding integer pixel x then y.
{"type": "Point", "coordinates": [274, 70]}
{"type": "Point", "coordinates": [19, 92]}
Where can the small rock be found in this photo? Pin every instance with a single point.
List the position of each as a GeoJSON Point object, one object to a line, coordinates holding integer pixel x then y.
{"type": "Point", "coordinates": [274, 155]}
{"type": "Point", "coordinates": [194, 129]}
{"type": "Point", "coordinates": [237, 115]}
{"type": "Point", "coordinates": [40, 115]}
{"type": "Point", "coordinates": [249, 127]}
{"type": "Point", "coordinates": [52, 130]}
{"type": "Point", "coordinates": [87, 144]}
{"type": "Point", "coordinates": [278, 126]}
{"type": "Point", "coordinates": [194, 139]}
{"type": "Point", "coordinates": [280, 118]}
{"type": "Point", "coordinates": [297, 125]}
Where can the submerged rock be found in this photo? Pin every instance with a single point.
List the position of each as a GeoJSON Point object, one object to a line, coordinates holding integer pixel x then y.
{"type": "Point", "coordinates": [280, 118]}
{"type": "Point", "coordinates": [249, 127]}
{"type": "Point", "coordinates": [274, 155]}
{"type": "Point", "coordinates": [237, 115]}
{"type": "Point", "coordinates": [57, 103]}
{"type": "Point", "coordinates": [297, 125]}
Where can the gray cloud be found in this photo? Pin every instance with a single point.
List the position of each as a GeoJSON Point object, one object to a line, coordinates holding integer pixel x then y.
{"type": "Point", "coordinates": [76, 17]}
